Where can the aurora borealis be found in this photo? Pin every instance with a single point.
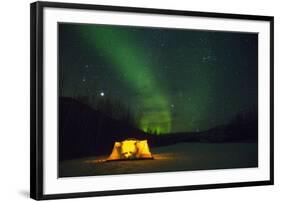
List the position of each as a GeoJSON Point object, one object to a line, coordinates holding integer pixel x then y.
{"type": "Point", "coordinates": [175, 80]}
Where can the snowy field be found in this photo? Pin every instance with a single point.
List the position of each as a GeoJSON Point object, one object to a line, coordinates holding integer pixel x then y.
{"type": "Point", "coordinates": [178, 157]}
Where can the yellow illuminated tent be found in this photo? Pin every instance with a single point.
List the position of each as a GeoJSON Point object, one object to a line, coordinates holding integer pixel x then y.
{"type": "Point", "coordinates": [130, 149]}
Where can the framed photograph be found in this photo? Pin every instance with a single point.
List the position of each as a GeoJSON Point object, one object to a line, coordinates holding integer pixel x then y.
{"type": "Point", "coordinates": [134, 100]}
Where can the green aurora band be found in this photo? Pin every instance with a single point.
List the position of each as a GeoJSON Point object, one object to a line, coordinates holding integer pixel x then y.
{"type": "Point", "coordinates": [120, 48]}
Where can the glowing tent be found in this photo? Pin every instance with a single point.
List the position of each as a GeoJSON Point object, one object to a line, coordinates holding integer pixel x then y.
{"type": "Point", "coordinates": [130, 149]}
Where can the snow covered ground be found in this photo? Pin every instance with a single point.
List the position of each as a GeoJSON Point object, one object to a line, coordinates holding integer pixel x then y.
{"type": "Point", "coordinates": [178, 157]}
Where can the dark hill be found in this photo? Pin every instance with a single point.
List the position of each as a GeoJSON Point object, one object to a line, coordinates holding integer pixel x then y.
{"type": "Point", "coordinates": [84, 131]}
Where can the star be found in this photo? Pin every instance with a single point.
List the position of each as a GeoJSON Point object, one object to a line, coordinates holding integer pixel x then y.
{"type": "Point", "coordinates": [237, 73]}
{"type": "Point", "coordinates": [206, 58]}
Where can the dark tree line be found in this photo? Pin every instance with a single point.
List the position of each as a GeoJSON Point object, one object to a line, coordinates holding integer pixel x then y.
{"type": "Point", "coordinates": [111, 107]}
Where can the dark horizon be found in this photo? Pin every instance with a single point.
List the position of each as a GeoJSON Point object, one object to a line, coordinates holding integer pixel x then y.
{"type": "Point", "coordinates": [172, 80]}
{"type": "Point", "coordinates": [246, 116]}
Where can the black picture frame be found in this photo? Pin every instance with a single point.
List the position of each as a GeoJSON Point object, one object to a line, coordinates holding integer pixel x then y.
{"type": "Point", "coordinates": [37, 99]}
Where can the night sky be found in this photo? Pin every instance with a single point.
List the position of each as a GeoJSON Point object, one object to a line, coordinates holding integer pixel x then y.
{"type": "Point", "coordinates": [176, 80]}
